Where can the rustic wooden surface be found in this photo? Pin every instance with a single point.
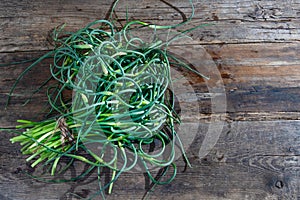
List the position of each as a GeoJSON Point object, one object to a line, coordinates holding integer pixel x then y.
{"type": "Point", "coordinates": [255, 45]}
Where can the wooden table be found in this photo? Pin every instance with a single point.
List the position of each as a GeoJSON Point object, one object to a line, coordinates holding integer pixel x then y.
{"type": "Point", "coordinates": [255, 47]}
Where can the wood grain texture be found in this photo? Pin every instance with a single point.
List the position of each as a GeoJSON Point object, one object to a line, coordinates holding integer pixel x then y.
{"type": "Point", "coordinates": [253, 44]}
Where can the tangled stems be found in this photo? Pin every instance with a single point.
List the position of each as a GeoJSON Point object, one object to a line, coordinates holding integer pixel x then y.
{"type": "Point", "coordinates": [122, 111]}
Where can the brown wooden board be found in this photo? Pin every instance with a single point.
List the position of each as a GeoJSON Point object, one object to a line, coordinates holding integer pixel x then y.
{"type": "Point", "coordinates": [254, 46]}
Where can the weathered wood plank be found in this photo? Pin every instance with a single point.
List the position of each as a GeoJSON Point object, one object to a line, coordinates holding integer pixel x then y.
{"type": "Point", "coordinates": [260, 80]}
{"type": "Point", "coordinates": [26, 24]}
{"type": "Point", "coordinates": [254, 160]}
